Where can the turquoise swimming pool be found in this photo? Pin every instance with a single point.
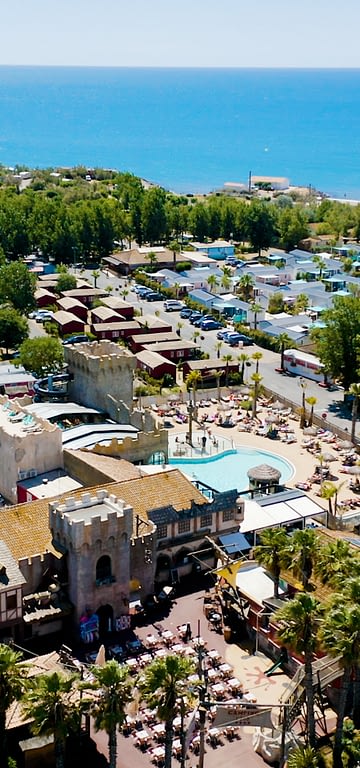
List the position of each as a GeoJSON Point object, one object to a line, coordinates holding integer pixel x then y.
{"type": "Point", "coordinates": [229, 469]}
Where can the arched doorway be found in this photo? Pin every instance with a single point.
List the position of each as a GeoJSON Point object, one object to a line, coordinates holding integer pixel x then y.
{"type": "Point", "coordinates": [106, 620]}
{"type": "Point", "coordinates": [163, 568]}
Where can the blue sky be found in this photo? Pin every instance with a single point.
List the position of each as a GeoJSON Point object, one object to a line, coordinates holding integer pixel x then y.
{"type": "Point", "coordinates": [217, 33]}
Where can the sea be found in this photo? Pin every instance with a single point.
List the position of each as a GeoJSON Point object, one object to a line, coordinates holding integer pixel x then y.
{"type": "Point", "coordinates": [189, 130]}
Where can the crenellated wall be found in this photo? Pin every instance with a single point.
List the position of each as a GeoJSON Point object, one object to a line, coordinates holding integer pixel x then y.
{"type": "Point", "coordinates": [102, 377]}
{"type": "Point", "coordinates": [138, 449]}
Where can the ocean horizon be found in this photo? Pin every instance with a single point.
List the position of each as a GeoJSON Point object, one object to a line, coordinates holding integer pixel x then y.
{"type": "Point", "coordinates": [188, 129]}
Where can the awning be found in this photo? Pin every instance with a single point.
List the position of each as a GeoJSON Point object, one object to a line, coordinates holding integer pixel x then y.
{"type": "Point", "coordinates": [234, 543]}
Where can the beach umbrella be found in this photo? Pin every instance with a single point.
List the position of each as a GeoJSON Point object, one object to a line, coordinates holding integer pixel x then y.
{"type": "Point", "coordinates": [310, 431]}
{"type": "Point", "coordinates": [277, 406]}
{"type": "Point", "coordinates": [327, 457]}
{"type": "Point", "coordinates": [353, 470]}
{"type": "Point", "coordinates": [345, 444]}
{"type": "Point", "coordinates": [100, 658]}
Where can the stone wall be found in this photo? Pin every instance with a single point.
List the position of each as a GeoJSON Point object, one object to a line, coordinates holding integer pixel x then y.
{"type": "Point", "coordinates": [102, 377]}
{"type": "Point", "coordinates": [139, 449]}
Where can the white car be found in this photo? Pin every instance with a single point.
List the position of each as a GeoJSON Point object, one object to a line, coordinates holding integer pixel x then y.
{"type": "Point", "coordinates": [172, 305]}
{"type": "Point", "coordinates": [44, 315]}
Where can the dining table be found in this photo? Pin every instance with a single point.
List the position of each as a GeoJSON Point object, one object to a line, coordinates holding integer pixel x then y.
{"type": "Point", "coordinates": [142, 737]}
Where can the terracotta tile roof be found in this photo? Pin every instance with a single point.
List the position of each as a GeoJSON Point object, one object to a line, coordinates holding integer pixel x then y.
{"type": "Point", "coordinates": [118, 470]}
{"type": "Point", "coordinates": [24, 528]}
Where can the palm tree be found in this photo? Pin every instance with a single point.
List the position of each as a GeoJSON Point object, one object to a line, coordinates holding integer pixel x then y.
{"type": "Point", "coordinates": [340, 636]}
{"type": "Point", "coordinates": [302, 303]}
{"type": "Point", "coordinates": [196, 335]}
{"type": "Point", "coordinates": [163, 683]}
{"type": "Point", "coordinates": [355, 392]}
{"type": "Point", "coordinates": [49, 702]}
{"type": "Point", "coordinates": [217, 374]}
{"type": "Point", "coordinates": [95, 274]}
{"type": "Point", "coordinates": [193, 381]}
{"type": "Point", "coordinates": [256, 379]}
{"type": "Point", "coordinates": [175, 248]}
{"type": "Point", "coordinates": [303, 757]}
{"type": "Point", "coordinates": [333, 562]}
{"type": "Point", "coordinates": [151, 257]}
{"type": "Point", "coordinates": [225, 282]}
{"type": "Point", "coordinates": [272, 553]}
{"type": "Point", "coordinates": [12, 685]}
{"type": "Point", "coordinates": [212, 282]}
{"type": "Point", "coordinates": [218, 347]}
{"type": "Point", "coordinates": [303, 547]}
{"type": "Point", "coordinates": [329, 491]}
{"type": "Point", "coordinates": [350, 590]}
{"type": "Point", "coordinates": [243, 359]}
{"type": "Point", "coordinates": [246, 286]}
{"type": "Point", "coordinates": [257, 356]}
{"type": "Point", "coordinates": [179, 326]}
{"type": "Point", "coordinates": [299, 621]}
{"type": "Point", "coordinates": [255, 308]}
{"type": "Point", "coordinates": [283, 341]}
{"type": "Point", "coordinates": [311, 400]}
{"type": "Point", "coordinates": [227, 359]}
{"type": "Point", "coordinates": [115, 689]}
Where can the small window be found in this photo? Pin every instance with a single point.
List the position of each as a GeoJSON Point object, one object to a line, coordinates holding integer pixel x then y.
{"type": "Point", "coordinates": [228, 514]}
{"type": "Point", "coordinates": [206, 521]}
{"type": "Point", "coordinates": [11, 602]}
{"type": "Point", "coordinates": [162, 531]}
{"type": "Point", "coordinates": [103, 570]}
{"type": "Point", "coordinates": [183, 526]}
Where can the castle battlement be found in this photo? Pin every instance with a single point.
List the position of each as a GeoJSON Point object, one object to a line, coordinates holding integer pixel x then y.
{"type": "Point", "coordinates": [88, 519]}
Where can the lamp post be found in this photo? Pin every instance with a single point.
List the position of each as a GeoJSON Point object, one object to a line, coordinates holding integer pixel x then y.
{"type": "Point", "coordinates": [303, 385]}
{"type": "Point", "coordinates": [191, 415]}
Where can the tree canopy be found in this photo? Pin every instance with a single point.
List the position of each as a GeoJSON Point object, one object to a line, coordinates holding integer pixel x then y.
{"type": "Point", "coordinates": [337, 343]}
{"type": "Point", "coordinates": [42, 355]}
{"type": "Point", "coordinates": [13, 328]}
{"type": "Point", "coordinates": [17, 286]}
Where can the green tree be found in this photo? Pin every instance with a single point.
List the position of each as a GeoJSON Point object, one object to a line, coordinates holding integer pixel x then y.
{"type": "Point", "coordinates": [227, 359]}
{"type": "Point", "coordinates": [193, 381]}
{"type": "Point", "coordinates": [284, 342]}
{"type": "Point", "coordinates": [12, 685]}
{"type": "Point", "coordinates": [153, 215]}
{"type": "Point", "coordinates": [276, 303]}
{"type": "Point", "coordinates": [334, 559]}
{"type": "Point", "coordinates": [65, 282]}
{"type": "Point", "coordinates": [340, 637]}
{"type": "Point", "coordinates": [337, 343]}
{"type": "Point", "coordinates": [49, 702]}
{"type": "Point", "coordinates": [218, 347]}
{"type": "Point", "coordinates": [293, 227]}
{"type": "Point", "coordinates": [13, 328]}
{"type": "Point", "coordinates": [114, 689]}
{"type": "Point", "coordinates": [311, 400]}
{"type": "Point", "coordinates": [163, 683]}
{"type": "Point", "coordinates": [95, 274]}
{"type": "Point", "coordinates": [355, 392]}
{"type": "Point", "coordinates": [256, 380]}
{"type": "Point", "coordinates": [256, 308]}
{"type": "Point", "coordinates": [174, 246]}
{"type": "Point", "coordinates": [299, 621]}
{"type": "Point", "coordinates": [246, 286]}
{"type": "Point", "coordinates": [261, 226]}
{"type": "Point", "coordinates": [350, 755]}
{"type": "Point", "coordinates": [17, 285]}
{"type": "Point", "coordinates": [42, 355]}
{"type": "Point", "coordinates": [257, 356]}
{"type": "Point", "coordinates": [303, 757]}
{"type": "Point", "coordinates": [303, 547]}
{"type": "Point", "coordinates": [272, 553]}
{"type": "Point", "coordinates": [213, 283]}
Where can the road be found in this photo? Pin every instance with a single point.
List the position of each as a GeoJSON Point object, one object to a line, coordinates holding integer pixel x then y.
{"type": "Point", "coordinates": [285, 386]}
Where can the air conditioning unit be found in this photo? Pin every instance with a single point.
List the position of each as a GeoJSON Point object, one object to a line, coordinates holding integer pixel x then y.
{"type": "Point", "coordinates": [22, 475]}
{"type": "Point", "coordinates": [32, 473]}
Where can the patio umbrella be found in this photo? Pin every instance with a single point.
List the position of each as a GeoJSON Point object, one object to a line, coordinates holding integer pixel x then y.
{"type": "Point", "coordinates": [100, 659]}
{"type": "Point", "coordinates": [327, 457]}
{"type": "Point", "coordinates": [345, 444]}
{"type": "Point", "coordinates": [353, 470]}
{"type": "Point", "coordinates": [277, 406]}
{"type": "Point", "coordinates": [310, 431]}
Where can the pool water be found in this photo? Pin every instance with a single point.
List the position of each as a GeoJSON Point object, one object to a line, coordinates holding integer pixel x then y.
{"type": "Point", "coordinates": [229, 470]}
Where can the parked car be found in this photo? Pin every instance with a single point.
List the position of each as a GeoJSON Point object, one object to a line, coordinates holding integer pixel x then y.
{"type": "Point", "coordinates": [222, 334]}
{"type": "Point", "coordinates": [235, 338]}
{"type": "Point", "coordinates": [194, 316]}
{"type": "Point", "coordinates": [199, 320]}
{"type": "Point", "coordinates": [186, 312]}
{"type": "Point", "coordinates": [43, 316]}
{"type": "Point", "coordinates": [153, 296]}
{"type": "Point", "coordinates": [141, 289]}
{"type": "Point", "coordinates": [79, 339]}
{"type": "Point", "coordinates": [172, 305]}
{"type": "Point", "coordinates": [209, 325]}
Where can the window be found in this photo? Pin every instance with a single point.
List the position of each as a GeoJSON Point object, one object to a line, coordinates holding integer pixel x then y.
{"type": "Point", "coordinates": [11, 602]}
{"type": "Point", "coordinates": [183, 526]}
{"type": "Point", "coordinates": [206, 521]}
{"type": "Point", "coordinates": [228, 514]}
{"type": "Point", "coordinates": [162, 531]}
{"type": "Point", "coordinates": [103, 570]}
